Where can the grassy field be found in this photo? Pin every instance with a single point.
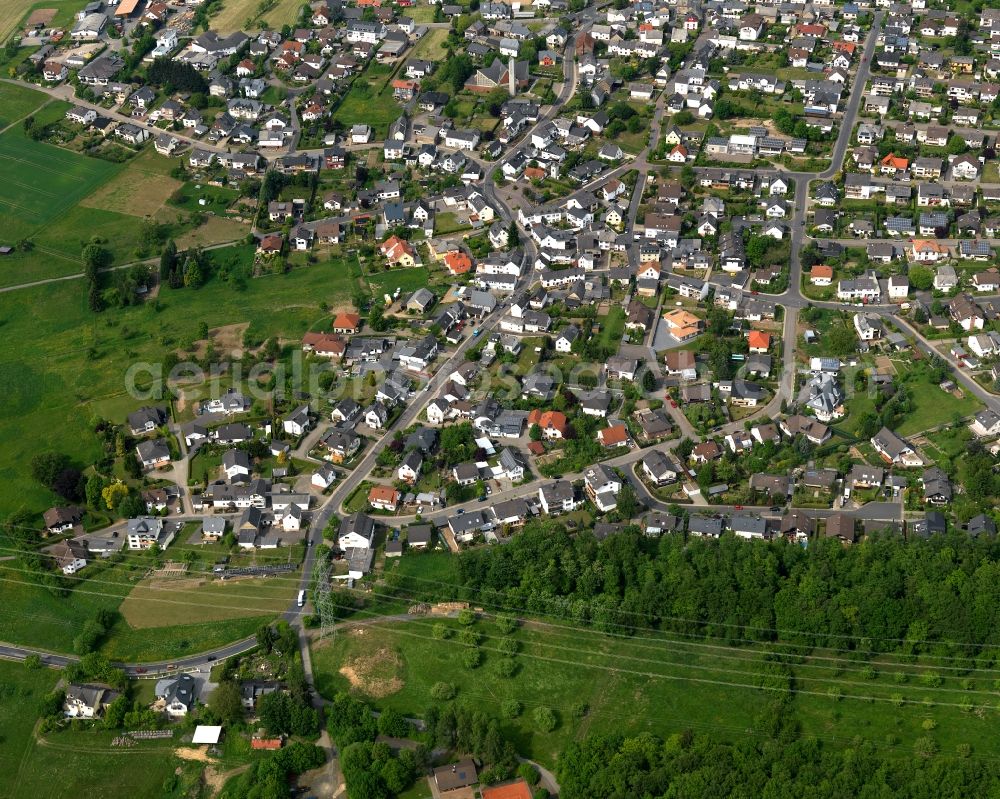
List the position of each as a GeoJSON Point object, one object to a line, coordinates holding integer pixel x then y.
{"type": "Point", "coordinates": [13, 12]}
{"type": "Point", "coordinates": [635, 685]}
{"type": "Point", "coordinates": [218, 600]}
{"type": "Point", "coordinates": [141, 189]}
{"type": "Point", "coordinates": [430, 46]}
{"type": "Point", "coordinates": [20, 697]}
{"type": "Point", "coordinates": [370, 99]}
{"type": "Point", "coordinates": [235, 13]}
{"type": "Point", "coordinates": [934, 406]}
{"type": "Point", "coordinates": [88, 765]}
{"type": "Point", "coordinates": [34, 617]}
{"type": "Point", "coordinates": [158, 622]}
{"type": "Point", "coordinates": [16, 102]}
{"type": "Point", "coordinates": [58, 361]}
{"type": "Point", "coordinates": [216, 230]}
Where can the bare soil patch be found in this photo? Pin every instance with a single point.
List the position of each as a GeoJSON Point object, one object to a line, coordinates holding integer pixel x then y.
{"type": "Point", "coordinates": [215, 779]}
{"type": "Point", "coordinates": [40, 16]}
{"type": "Point", "coordinates": [193, 753]}
{"type": "Point", "coordinates": [376, 674]}
{"type": "Point", "coordinates": [172, 569]}
{"type": "Point", "coordinates": [227, 339]}
{"type": "Point", "coordinates": [884, 364]}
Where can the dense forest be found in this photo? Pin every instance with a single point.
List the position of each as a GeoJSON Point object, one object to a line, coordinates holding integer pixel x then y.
{"type": "Point", "coordinates": [696, 766]}
{"type": "Point", "coordinates": [886, 594]}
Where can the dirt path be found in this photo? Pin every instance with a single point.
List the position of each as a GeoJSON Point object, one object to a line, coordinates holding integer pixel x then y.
{"type": "Point", "coordinates": [215, 779]}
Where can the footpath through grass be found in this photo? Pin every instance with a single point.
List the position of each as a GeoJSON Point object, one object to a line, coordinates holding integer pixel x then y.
{"type": "Point", "coordinates": [630, 685]}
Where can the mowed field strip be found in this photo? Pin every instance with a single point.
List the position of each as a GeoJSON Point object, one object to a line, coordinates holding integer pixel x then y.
{"type": "Point", "coordinates": [152, 603]}
{"type": "Point", "coordinates": [134, 192]}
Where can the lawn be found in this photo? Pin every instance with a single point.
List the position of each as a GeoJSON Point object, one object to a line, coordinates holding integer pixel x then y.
{"type": "Point", "coordinates": [649, 683]}
{"type": "Point", "coordinates": [370, 100]}
{"type": "Point", "coordinates": [407, 280]}
{"type": "Point", "coordinates": [57, 359]}
{"type": "Point", "coordinates": [447, 222]}
{"type": "Point", "coordinates": [612, 328]}
{"type": "Point", "coordinates": [430, 47]}
{"type": "Point", "coordinates": [199, 197]}
{"type": "Point", "coordinates": [16, 102]}
{"type": "Point", "coordinates": [934, 406]}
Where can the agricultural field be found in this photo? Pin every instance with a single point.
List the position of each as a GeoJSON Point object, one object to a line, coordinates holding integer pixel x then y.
{"type": "Point", "coordinates": [41, 187]}
{"type": "Point", "coordinates": [14, 12]}
{"type": "Point", "coordinates": [235, 13]}
{"type": "Point", "coordinates": [39, 182]}
{"type": "Point", "coordinates": [596, 683]}
{"type": "Point", "coordinates": [17, 102]}
{"type": "Point", "coordinates": [155, 602]}
{"type": "Point", "coordinates": [141, 189]}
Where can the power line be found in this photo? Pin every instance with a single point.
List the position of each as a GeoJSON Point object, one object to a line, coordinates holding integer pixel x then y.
{"type": "Point", "coordinates": [703, 680]}
{"type": "Point", "coordinates": [703, 623]}
{"type": "Point", "coordinates": [738, 654]}
{"type": "Point", "coordinates": [701, 645]}
{"type": "Point", "coordinates": [657, 675]}
{"type": "Point", "coordinates": [736, 625]}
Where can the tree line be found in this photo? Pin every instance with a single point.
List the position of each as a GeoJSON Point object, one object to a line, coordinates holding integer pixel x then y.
{"type": "Point", "coordinates": [695, 766]}
{"type": "Point", "coordinates": [884, 594]}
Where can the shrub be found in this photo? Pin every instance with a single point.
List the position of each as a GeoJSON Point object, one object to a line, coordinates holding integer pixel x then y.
{"type": "Point", "coordinates": [443, 691]}
{"type": "Point", "coordinates": [472, 658]}
{"type": "Point", "coordinates": [507, 646]}
{"type": "Point", "coordinates": [529, 773]}
{"type": "Point", "coordinates": [506, 668]}
{"type": "Point", "coordinates": [545, 719]}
